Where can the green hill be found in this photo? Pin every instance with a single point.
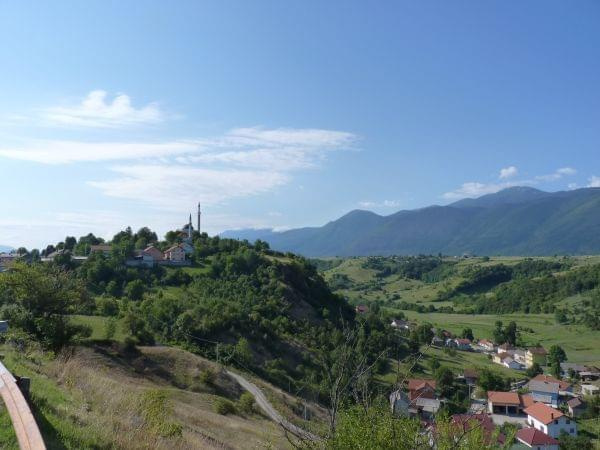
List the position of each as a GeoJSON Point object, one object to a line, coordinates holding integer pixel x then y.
{"type": "Point", "coordinates": [515, 221]}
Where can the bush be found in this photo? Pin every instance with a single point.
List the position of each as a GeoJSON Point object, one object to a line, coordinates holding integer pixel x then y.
{"type": "Point", "coordinates": [224, 406]}
{"type": "Point", "coordinates": [107, 306]}
{"type": "Point", "coordinates": [246, 403]}
{"type": "Point", "coordinates": [110, 328]}
{"type": "Point", "coordinates": [207, 377]}
{"type": "Point", "coordinates": [129, 345]}
{"type": "Point", "coordinates": [156, 409]}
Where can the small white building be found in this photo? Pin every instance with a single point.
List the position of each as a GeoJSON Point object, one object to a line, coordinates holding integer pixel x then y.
{"type": "Point", "coordinates": [549, 420]}
{"type": "Point", "coordinates": [590, 389]}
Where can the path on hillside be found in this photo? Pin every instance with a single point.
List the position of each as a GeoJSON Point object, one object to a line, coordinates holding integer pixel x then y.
{"type": "Point", "coordinates": [268, 408]}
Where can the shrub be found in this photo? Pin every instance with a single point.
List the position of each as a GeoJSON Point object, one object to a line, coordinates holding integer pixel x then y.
{"type": "Point", "coordinates": [129, 345]}
{"type": "Point", "coordinates": [224, 406]}
{"type": "Point", "coordinates": [110, 328]}
{"type": "Point", "coordinates": [246, 403]}
{"type": "Point", "coordinates": [207, 377]}
{"type": "Point", "coordinates": [156, 409]}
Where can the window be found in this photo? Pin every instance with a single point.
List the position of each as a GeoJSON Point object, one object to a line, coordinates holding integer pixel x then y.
{"type": "Point", "coordinates": [556, 422]}
{"type": "Point", "coordinates": [572, 430]}
{"type": "Point", "coordinates": [568, 421]}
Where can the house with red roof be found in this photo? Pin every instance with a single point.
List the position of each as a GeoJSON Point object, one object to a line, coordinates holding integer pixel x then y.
{"type": "Point", "coordinates": [533, 438]}
{"type": "Point", "coordinates": [419, 388]}
{"type": "Point", "coordinates": [508, 403]}
{"type": "Point", "coordinates": [549, 420]}
{"type": "Point", "coordinates": [562, 385]}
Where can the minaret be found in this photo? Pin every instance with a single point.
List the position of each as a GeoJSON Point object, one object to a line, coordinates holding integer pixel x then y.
{"type": "Point", "coordinates": [199, 214]}
{"type": "Point", "coordinates": [190, 228]}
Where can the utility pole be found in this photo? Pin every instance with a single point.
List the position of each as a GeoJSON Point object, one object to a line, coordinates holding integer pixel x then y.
{"type": "Point", "coordinates": [217, 353]}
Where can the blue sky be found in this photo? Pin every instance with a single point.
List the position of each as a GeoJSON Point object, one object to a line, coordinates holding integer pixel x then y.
{"type": "Point", "coordinates": [285, 114]}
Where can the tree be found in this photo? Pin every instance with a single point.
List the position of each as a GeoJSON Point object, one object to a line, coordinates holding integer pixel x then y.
{"type": "Point", "coordinates": [510, 333]}
{"type": "Point", "coordinates": [445, 381]}
{"type": "Point", "coordinates": [556, 355]}
{"type": "Point", "coordinates": [38, 299]}
{"type": "Point", "coordinates": [70, 243]}
{"type": "Point", "coordinates": [135, 289]}
{"type": "Point", "coordinates": [560, 316]}
{"type": "Point", "coordinates": [499, 337]}
{"type": "Point", "coordinates": [467, 333]}
{"type": "Point", "coordinates": [374, 428]}
{"type": "Point", "coordinates": [423, 334]}
{"type": "Point", "coordinates": [534, 370]}
{"type": "Point", "coordinates": [243, 352]}
{"type": "Point", "coordinates": [490, 381]}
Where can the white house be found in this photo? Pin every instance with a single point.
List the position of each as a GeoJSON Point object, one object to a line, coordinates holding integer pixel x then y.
{"type": "Point", "coordinates": [486, 345]}
{"type": "Point", "coordinates": [175, 253]}
{"type": "Point", "coordinates": [400, 324]}
{"type": "Point", "coordinates": [549, 420]}
{"type": "Point", "coordinates": [511, 363]}
{"type": "Point", "coordinates": [590, 389]}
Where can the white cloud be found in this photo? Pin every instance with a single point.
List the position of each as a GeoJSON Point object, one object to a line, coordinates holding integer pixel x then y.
{"type": "Point", "coordinates": [275, 149]}
{"type": "Point", "coordinates": [593, 181]}
{"type": "Point", "coordinates": [175, 187]}
{"type": "Point", "coordinates": [558, 174]}
{"type": "Point", "coordinates": [66, 152]}
{"type": "Point", "coordinates": [241, 162]}
{"type": "Point", "coordinates": [474, 189]}
{"type": "Point", "coordinates": [508, 172]}
{"type": "Point", "coordinates": [382, 204]}
{"type": "Point", "coordinates": [97, 111]}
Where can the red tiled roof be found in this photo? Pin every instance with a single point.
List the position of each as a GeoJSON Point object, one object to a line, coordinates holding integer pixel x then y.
{"type": "Point", "coordinates": [538, 350]}
{"type": "Point", "coordinates": [526, 401]}
{"type": "Point", "coordinates": [463, 341]}
{"type": "Point", "coordinates": [531, 436]}
{"type": "Point", "coordinates": [562, 385]}
{"type": "Point", "coordinates": [471, 373]}
{"type": "Point", "coordinates": [543, 413]}
{"type": "Point", "coordinates": [507, 398]}
{"type": "Point", "coordinates": [416, 383]}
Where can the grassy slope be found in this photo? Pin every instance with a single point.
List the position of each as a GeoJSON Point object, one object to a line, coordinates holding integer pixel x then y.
{"type": "Point", "coordinates": [580, 343]}
{"type": "Point", "coordinates": [94, 399]}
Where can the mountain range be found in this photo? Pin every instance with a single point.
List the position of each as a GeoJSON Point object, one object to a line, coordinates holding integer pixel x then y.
{"type": "Point", "coordinates": [515, 221]}
{"type": "Point", "coordinates": [5, 249]}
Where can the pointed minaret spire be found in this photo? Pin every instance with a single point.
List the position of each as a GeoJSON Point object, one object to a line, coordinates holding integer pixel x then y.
{"type": "Point", "coordinates": [199, 214]}
{"type": "Point", "coordinates": [190, 227]}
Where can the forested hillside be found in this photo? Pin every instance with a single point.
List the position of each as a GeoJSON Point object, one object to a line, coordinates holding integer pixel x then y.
{"type": "Point", "coordinates": [515, 221]}
{"type": "Point", "coordinates": [238, 303]}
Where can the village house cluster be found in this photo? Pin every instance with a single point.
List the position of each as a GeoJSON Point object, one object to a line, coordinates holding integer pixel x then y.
{"type": "Point", "coordinates": [176, 255]}
{"type": "Point", "coordinates": [542, 407]}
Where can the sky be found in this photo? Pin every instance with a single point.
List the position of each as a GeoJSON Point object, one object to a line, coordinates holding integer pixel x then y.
{"type": "Point", "coordinates": [285, 114]}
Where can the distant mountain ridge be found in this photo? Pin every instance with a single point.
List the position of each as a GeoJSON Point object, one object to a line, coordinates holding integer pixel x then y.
{"type": "Point", "coordinates": [5, 249]}
{"type": "Point", "coordinates": [514, 221]}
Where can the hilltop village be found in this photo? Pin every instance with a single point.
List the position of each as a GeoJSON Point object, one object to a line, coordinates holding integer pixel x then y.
{"type": "Point", "coordinates": [176, 255]}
